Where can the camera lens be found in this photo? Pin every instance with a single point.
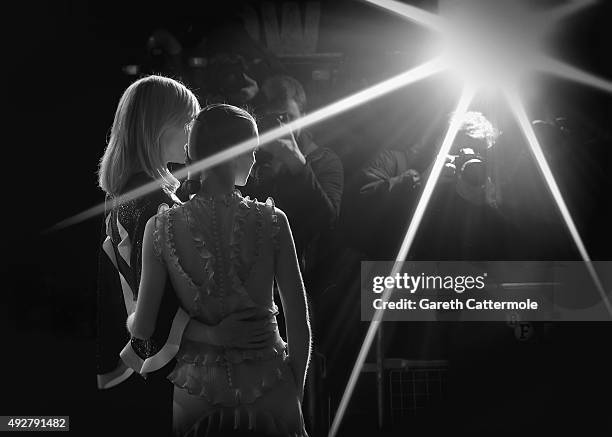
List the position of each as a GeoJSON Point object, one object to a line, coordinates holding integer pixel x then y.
{"type": "Point", "coordinates": [473, 172]}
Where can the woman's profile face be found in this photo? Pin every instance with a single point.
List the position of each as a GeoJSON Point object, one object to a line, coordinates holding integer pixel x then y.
{"type": "Point", "coordinates": [173, 142]}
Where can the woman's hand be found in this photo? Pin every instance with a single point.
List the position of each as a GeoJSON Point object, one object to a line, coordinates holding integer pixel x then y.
{"type": "Point", "coordinates": [237, 331]}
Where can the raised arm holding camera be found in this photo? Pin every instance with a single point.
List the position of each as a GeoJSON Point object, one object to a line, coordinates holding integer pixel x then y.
{"type": "Point", "coordinates": [305, 180]}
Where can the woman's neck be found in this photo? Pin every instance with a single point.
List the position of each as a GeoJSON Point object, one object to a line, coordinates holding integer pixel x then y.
{"type": "Point", "coordinates": [213, 185]}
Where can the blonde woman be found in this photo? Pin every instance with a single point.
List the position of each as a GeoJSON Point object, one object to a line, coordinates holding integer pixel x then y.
{"type": "Point", "coordinates": [222, 253]}
{"type": "Point", "coordinates": [149, 131]}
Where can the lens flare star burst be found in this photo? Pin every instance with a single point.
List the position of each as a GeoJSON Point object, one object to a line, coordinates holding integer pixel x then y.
{"type": "Point", "coordinates": [462, 106]}
{"type": "Point", "coordinates": [487, 44]}
{"type": "Point", "coordinates": [482, 43]}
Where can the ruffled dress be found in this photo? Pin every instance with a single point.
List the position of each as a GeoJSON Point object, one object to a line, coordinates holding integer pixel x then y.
{"type": "Point", "coordinates": [220, 252]}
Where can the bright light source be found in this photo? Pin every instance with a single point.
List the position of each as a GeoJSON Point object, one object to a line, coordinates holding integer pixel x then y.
{"type": "Point", "coordinates": [493, 43]}
{"type": "Point", "coordinates": [457, 120]}
{"type": "Point", "coordinates": [487, 43]}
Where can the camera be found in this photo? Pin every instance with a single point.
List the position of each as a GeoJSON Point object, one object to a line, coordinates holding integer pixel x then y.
{"type": "Point", "coordinates": [470, 166]}
{"type": "Point", "coordinates": [272, 121]}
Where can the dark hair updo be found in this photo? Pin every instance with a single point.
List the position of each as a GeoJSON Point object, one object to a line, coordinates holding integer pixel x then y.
{"type": "Point", "coordinates": [218, 127]}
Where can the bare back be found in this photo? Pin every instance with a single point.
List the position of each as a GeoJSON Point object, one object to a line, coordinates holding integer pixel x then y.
{"type": "Point", "coordinates": [220, 254]}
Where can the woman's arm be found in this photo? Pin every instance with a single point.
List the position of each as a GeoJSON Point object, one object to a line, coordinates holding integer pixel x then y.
{"type": "Point", "coordinates": [293, 297]}
{"type": "Point", "coordinates": [141, 323]}
{"type": "Point", "coordinates": [236, 330]}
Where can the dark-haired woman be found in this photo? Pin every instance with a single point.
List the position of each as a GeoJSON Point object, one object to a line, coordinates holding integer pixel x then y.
{"type": "Point", "coordinates": [222, 254]}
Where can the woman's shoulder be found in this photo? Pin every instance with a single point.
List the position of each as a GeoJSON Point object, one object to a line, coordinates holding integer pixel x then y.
{"type": "Point", "coordinates": [269, 206]}
{"type": "Point", "coordinates": [275, 217]}
{"type": "Point", "coordinates": [165, 215]}
{"type": "Point", "coordinates": [142, 205]}
{"type": "Point", "coordinates": [136, 212]}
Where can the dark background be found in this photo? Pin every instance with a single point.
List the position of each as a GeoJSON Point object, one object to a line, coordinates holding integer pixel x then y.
{"type": "Point", "coordinates": [64, 61]}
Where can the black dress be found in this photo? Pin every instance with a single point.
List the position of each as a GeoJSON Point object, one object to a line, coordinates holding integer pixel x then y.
{"type": "Point", "coordinates": [122, 394]}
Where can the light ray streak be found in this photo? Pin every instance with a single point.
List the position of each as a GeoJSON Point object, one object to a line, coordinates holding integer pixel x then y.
{"type": "Point", "coordinates": [567, 71]}
{"type": "Point", "coordinates": [463, 105]}
{"type": "Point", "coordinates": [415, 74]}
{"type": "Point", "coordinates": [412, 13]}
{"type": "Point", "coordinates": [563, 11]}
{"type": "Point", "coordinates": [519, 112]}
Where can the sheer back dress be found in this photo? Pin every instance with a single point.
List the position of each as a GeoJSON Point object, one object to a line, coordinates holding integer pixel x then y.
{"type": "Point", "coordinates": [220, 253]}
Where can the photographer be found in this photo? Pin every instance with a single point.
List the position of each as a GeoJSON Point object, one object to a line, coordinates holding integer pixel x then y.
{"type": "Point", "coordinates": [467, 169]}
{"type": "Point", "coordinates": [463, 219]}
{"type": "Point", "coordinates": [380, 202]}
{"type": "Point", "coordinates": [305, 180]}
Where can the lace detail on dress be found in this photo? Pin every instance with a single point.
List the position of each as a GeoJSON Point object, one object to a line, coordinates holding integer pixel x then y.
{"type": "Point", "coordinates": [202, 384]}
{"type": "Point", "coordinates": [204, 375]}
{"type": "Point", "coordinates": [236, 263]}
{"type": "Point", "coordinates": [173, 257]}
{"type": "Point", "coordinates": [195, 354]}
{"type": "Point", "coordinates": [230, 252]}
{"type": "Point", "coordinates": [207, 207]}
{"type": "Point", "coordinates": [237, 234]}
{"type": "Point", "coordinates": [205, 255]}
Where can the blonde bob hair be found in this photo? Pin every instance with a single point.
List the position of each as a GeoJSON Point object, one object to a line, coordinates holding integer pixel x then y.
{"type": "Point", "coordinates": [147, 108]}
